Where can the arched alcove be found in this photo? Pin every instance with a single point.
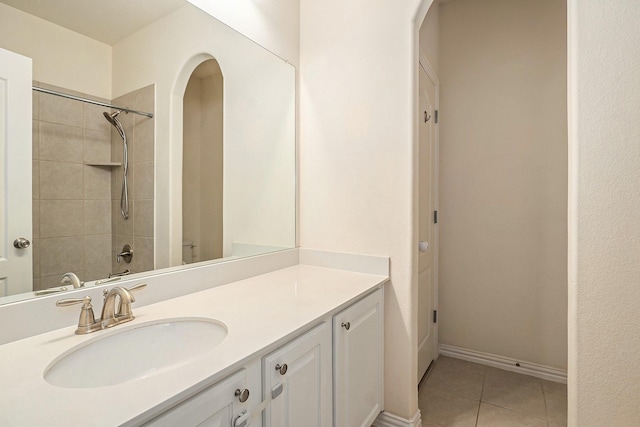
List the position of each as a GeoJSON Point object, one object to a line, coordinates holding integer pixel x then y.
{"type": "Point", "coordinates": [202, 164]}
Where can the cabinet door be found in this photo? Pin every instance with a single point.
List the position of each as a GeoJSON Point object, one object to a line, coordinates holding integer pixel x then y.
{"type": "Point", "coordinates": [213, 407]}
{"type": "Point", "coordinates": [305, 397]}
{"type": "Point", "coordinates": [358, 362]}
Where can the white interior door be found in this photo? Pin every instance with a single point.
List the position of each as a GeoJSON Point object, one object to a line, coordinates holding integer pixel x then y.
{"type": "Point", "coordinates": [16, 274]}
{"type": "Point", "coordinates": [427, 233]}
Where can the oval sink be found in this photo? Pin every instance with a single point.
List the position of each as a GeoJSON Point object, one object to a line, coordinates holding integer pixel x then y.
{"type": "Point", "coordinates": [135, 353]}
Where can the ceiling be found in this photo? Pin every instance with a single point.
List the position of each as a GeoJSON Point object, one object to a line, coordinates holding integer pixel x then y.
{"type": "Point", "coordinates": [107, 21]}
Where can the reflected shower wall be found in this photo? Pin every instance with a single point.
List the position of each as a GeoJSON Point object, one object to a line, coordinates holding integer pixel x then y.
{"type": "Point", "coordinates": [138, 229]}
{"type": "Point", "coordinates": [74, 220]}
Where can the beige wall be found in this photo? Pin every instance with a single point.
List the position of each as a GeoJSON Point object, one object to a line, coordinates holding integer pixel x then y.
{"type": "Point", "coordinates": [604, 243]}
{"type": "Point", "coordinates": [503, 178]}
{"type": "Point", "coordinates": [357, 149]}
{"type": "Point", "coordinates": [54, 51]}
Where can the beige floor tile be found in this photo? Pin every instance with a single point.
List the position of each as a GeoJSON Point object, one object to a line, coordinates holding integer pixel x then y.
{"type": "Point", "coordinates": [554, 388]}
{"type": "Point", "coordinates": [492, 416]}
{"type": "Point", "coordinates": [451, 364]}
{"type": "Point", "coordinates": [513, 377]}
{"type": "Point", "coordinates": [556, 408]}
{"type": "Point", "coordinates": [462, 384]}
{"type": "Point", "coordinates": [446, 410]}
{"type": "Point", "coordinates": [527, 400]}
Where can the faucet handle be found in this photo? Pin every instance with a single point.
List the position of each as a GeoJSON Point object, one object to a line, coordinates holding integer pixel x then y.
{"type": "Point", "coordinates": [72, 301]}
{"type": "Point", "coordinates": [87, 321]}
{"type": "Point", "coordinates": [137, 287]}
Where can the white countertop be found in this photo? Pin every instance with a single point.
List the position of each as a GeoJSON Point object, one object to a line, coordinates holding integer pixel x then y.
{"type": "Point", "coordinates": [261, 313]}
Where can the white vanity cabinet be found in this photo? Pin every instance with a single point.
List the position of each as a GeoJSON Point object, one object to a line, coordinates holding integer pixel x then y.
{"type": "Point", "coordinates": [297, 377]}
{"type": "Point", "coordinates": [330, 375]}
{"type": "Point", "coordinates": [358, 362]}
{"type": "Point", "coordinates": [216, 406]}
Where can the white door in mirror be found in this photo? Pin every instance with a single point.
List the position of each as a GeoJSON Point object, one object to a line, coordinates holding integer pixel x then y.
{"type": "Point", "coordinates": [16, 275]}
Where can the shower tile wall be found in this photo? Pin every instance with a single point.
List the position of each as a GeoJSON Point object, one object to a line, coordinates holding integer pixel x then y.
{"type": "Point", "coordinates": [77, 224]}
{"type": "Point", "coordinates": [71, 200]}
{"type": "Point", "coordinates": [138, 229]}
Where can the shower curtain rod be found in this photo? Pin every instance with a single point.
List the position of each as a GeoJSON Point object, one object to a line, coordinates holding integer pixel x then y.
{"type": "Point", "coordinates": [90, 101]}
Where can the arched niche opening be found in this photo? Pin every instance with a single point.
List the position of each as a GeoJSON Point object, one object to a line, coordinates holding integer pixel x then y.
{"type": "Point", "coordinates": [202, 164]}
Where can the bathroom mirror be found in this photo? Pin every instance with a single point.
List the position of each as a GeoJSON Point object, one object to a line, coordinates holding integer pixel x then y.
{"type": "Point", "coordinates": [145, 55]}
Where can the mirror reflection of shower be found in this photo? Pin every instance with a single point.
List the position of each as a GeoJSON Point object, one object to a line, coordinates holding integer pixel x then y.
{"type": "Point", "coordinates": [124, 194]}
{"type": "Point", "coordinates": [202, 165]}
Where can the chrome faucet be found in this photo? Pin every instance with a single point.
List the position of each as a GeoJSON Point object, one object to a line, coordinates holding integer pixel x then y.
{"type": "Point", "coordinates": [112, 314]}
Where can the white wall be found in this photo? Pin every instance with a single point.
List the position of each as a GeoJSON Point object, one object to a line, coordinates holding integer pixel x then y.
{"type": "Point", "coordinates": [55, 53]}
{"type": "Point", "coordinates": [503, 179]}
{"type": "Point", "coordinates": [604, 272]}
{"type": "Point", "coordinates": [259, 119]}
{"type": "Point", "coordinates": [274, 24]}
{"type": "Point", "coordinates": [358, 63]}
{"type": "Point", "coordinates": [429, 36]}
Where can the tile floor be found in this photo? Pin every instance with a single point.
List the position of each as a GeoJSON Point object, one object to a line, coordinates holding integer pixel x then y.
{"type": "Point", "coordinates": [459, 393]}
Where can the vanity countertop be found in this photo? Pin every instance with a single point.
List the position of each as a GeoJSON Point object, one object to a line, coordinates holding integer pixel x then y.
{"type": "Point", "coordinates": [261, 313]}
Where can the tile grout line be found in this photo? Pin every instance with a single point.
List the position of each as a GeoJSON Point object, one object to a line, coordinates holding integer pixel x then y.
{"type": "Point", "coordinates": [484, 378]}
{"type": "Point", "coordinates": [546, 408]}
{"type": "Point", "coordinates": [514, 384]}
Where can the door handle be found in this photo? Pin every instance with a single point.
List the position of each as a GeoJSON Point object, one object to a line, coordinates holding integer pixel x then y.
{"type": "Point", "coordinates": [21, 243]}
{"type": "Point", "coordinates": [423, 246]}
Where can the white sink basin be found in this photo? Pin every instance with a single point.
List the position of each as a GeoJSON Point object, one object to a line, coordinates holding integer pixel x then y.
{"type": "Point", "coordinates": [135, 353]}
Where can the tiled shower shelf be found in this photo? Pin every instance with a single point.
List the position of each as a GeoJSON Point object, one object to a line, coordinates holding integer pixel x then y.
{"type": "Point", "coordinates": [104, 164]}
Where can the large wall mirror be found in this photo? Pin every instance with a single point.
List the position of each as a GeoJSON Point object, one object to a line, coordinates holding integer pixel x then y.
{"type": "Point", "coordinates": [210, 171]}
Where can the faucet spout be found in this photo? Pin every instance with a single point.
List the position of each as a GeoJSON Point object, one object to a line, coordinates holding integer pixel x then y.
{"type": "Point", "coordinates": [112, 314]}
{"type": "Point", "coordinates": [71, 279]}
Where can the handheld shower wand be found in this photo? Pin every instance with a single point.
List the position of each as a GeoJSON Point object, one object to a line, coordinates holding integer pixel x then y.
{"type": "Point", "coordinates": [124, 195]}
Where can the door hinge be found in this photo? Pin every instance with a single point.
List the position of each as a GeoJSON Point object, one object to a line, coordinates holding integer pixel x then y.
{"type": "Point", "coordinates": [436, 116]}
{"type": "Point", "coordinates": [435, 217]}
{"type": "Point", "coordinates": [435, 316]}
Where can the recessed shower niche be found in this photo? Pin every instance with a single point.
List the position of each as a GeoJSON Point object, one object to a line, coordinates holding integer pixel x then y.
{"type": "Point", "coordinates": [77, 186]}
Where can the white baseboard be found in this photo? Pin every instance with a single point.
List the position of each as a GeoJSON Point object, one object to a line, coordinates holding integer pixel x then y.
{"type": "Point", "coordinates": [508, 364]}
{"type": "Point", "coordinates": [385, 419]}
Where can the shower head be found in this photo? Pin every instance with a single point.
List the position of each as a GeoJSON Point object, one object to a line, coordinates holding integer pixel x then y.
{"type": "Point", "coordinates": [124, 197]}
{"type": "Point", "coordinates": [111, 117]}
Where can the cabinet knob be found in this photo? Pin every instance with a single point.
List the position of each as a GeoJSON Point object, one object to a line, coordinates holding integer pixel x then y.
{"type": "Point", "coordinates": [282, 368]}
{"type": "Point", "coordinates": [346, 325]}
{"type": "Point", "coordinates": [242, 395]}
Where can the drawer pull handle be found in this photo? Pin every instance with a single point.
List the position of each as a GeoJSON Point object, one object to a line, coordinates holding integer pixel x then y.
{"type": "Point", "coordinates": [346, 325]}
{"type": "Point", "coordinates": [242, 395]}
{"type": "Point", "coordinates": [282, 368]}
